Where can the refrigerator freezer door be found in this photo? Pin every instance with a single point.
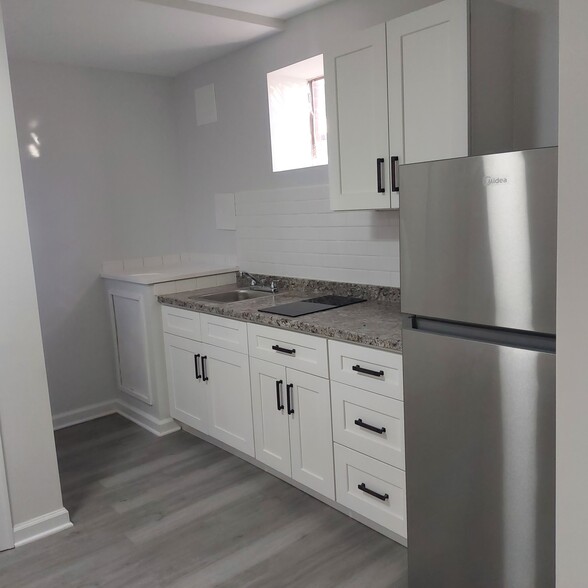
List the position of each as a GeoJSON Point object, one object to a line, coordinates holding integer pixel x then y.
{"type": "Point", "coordinates": [478, 239]}
{"type": "Point", "coordinates": [480, 463]}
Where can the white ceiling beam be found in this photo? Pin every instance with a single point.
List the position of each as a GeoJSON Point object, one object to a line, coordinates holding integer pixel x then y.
{"type": "Point", "coordinates": [229, 13]}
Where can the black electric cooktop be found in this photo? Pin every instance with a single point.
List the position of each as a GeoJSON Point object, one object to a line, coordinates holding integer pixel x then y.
{"type": "Point", "coordinates": [311, 305]}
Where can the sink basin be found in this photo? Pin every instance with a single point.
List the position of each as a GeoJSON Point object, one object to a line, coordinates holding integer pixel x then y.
{"type": "Point", "coordinates": [232, 296]}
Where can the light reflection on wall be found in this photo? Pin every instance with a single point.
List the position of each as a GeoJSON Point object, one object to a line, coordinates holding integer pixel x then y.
{"type": "Point", "coordinates": [34, 148]}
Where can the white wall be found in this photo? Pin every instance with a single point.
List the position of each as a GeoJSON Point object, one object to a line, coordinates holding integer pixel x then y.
{"type": "Point", "coordinates": [234, 154]}
{"type": "Point", "coordinates": [104, 187]}
{"type": "Point", "coordinates": [27, 435]}
{"type": "Point", "coordinates": [572, 320]}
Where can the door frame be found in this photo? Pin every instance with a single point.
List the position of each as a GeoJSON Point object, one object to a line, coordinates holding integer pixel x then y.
{"type": "Point", "coordinates": [6, 529]}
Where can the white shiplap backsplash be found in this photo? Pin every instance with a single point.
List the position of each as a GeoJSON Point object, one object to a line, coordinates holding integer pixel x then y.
{"type": "Point", "coordinates": [292, 232]}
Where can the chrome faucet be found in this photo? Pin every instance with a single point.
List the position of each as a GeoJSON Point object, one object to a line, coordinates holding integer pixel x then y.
{"type": "Point", "coordinates": [253, 286]}
{"type": "Point", "coordinates": [253, 280]}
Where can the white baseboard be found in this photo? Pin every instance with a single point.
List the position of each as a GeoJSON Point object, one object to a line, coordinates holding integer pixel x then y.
{"type": "Point", "coordinates": [81, 415]}
{"type": "Point", "coordinates": [159, 427]}
{"type": "Point", "coordinates": [42, 526]}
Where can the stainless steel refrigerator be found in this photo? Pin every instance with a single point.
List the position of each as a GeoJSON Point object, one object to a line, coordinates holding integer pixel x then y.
{"type": "Point", "coordinates": [478, 279]}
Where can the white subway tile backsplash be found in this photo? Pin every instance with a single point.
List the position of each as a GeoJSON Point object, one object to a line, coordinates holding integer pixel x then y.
{"type": "Point", "coordinates": [164, 288]}
{"type": "Point", "coordinates": [226, 279]}
{"type": "Point", "coordinates": [149, 262]}
{"type": "Point", "coordinates": [171, 259]}
{"type": "Point", "coordinates": [206, 282]}
{"type": "Point", "coordinates": [292, 232]}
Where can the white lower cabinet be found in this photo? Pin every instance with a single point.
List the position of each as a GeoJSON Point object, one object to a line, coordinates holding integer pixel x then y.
{"type": "Point", "coordinates": [292, 424]}
{"type": "Point", "coordinates": [226, 375]}
{"type": "Point", "coordinates": [187, 392]}
{"type": "Point", "coordinates": [265, 392]}
{"type": "Point", "coordinates": [369, 423]}
{"type": "Point", "coordinates": [271, 428]}
{"type": "Point", "coordinates": [371, 488]}
{"type": "Point", "coordinates": [209, 390]}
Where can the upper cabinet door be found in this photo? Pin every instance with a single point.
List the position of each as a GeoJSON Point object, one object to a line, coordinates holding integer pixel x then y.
{"type": "Point", "coordinates": [357, 114]}
{"type": "Point", "coordinates": [428, 83]}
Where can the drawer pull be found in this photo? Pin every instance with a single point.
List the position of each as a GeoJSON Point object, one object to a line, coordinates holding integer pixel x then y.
{"type": "Point", "coordinates": [382, 497]}
{"type": "Point", "coordinates": [279, 384]}
{"type": "Point", "coordinates": [283, 350]}
{"type": "Point", "coordinates": [365, 371]}
{"type": "Point", "coordinates": [363, 425]}
{"type": "Point", "coordinates": [204, 374]}
{"type": "Point", "coordinates": [289, 399]}
{"type": "Point", "coordinates": [198, 376]}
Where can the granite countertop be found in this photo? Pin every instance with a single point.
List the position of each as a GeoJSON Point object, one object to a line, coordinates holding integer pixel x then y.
{"type": "Point", "coordinates": [373, 323]}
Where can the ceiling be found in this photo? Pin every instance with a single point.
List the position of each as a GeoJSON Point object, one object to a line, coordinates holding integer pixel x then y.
{"type": "Point", "coordinates": [161, 37]}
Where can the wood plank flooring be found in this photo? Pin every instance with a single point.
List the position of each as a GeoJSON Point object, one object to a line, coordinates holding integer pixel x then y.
{"type": "Point", "coordinates": [178, 512]}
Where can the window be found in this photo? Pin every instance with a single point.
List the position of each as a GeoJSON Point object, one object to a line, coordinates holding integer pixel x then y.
{"type": "Point", "coordinates": [298, 120]}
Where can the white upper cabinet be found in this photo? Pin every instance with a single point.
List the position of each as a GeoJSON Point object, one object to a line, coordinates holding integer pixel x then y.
{"type": "Point", "coordinates": [396, 93]}
{"type": "Point", "coordinates": [428, 83]}
{"type": "Point", "coordinates": [357, 118]}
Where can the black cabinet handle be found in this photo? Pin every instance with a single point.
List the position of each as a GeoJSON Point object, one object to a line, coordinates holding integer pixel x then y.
{"type": "Point", "coordinates": [363, 425]}
{"type": "Point", "coordinates": [382, 497]}
{"type": "Point", "coordinates": [380, 170]}
{"type": "Point", "coordinates": [279, 384]}
{"type": "Point", "coordinates": [198, 376]}
{"type": "Point", "coordinates": [362, 370]}
{"type": "Point", "coordinates": [289, 399]}
{"type": "Point", "coordinates": [394, 174]}
{"type": "Point", "coordinates": [204, 375]}
{"type": "Point", "coordinates": [283, 350]}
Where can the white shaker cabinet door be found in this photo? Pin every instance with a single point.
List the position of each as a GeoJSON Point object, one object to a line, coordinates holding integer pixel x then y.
{"type": "Point", "coordinates": [357, 117]}
{"type": "Point", "coordinates": [428, 83]}
{"type": "Point", "coordinates": [270, 419]}
{"type": "Point", "coordinates": [311, 439]}
{"type": "Point", "coordinates": [187, 391]}
{"type": "Point", "coordinates": [226, 376]}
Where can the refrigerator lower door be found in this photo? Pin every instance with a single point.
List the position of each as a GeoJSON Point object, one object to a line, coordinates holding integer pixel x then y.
{"type": "Point", "coordinates": [480, 455]}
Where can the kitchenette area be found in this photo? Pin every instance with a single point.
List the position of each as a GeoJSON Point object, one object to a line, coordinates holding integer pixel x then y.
{"type": "Point", "coordinates": [297, 291]}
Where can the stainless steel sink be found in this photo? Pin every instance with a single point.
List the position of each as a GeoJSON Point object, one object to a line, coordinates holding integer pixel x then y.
{"type": "Point", "coordinates": [232, 296]}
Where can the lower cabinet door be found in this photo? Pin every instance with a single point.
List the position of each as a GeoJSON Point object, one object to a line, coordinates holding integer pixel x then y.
{"type": "Point", "coordinates": [371, 488]}
{"type": "Point", "coordinates": [270, 419]}
{"type": "Point", "coordinates": [187, 392]}
{"type": "Point", "coordinates": [311, 437]}
{"type": "Point", "coordinates": [226, 375]}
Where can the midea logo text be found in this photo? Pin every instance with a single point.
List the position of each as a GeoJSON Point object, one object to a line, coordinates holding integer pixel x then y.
{"type": "Point", "coordinates": [493, 180]}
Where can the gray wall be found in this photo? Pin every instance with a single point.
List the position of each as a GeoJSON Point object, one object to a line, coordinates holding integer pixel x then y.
{"type": "Point", "coordinates": [572, 320]}
{"type": "Point", "coordinates": [25, 417]}
{"type": "Point", "coordinates": [104, 187]}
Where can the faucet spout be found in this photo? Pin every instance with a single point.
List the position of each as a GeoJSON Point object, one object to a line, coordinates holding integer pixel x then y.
{"type": "Point", "coordinates": [247, 275]}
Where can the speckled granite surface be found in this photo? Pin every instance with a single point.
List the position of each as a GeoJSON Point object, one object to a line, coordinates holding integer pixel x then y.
{"type": "Point", "coordinates": [374, 293]}
{"type": "Point", "coordinates": [375, 323]}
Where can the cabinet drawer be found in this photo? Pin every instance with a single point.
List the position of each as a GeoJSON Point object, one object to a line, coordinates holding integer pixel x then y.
{"type": "Point", "coordinates": [371, 488]}
{"type": "Point", "coordinates": [369, 423]}
{"type": "Point", "coordinates": [294, 350]}
{"type": "Point", "coordinates": [184, 323]}
{"type": "Point", "coordinates": [370, 369]}
{"type": "Point", "coordinates": [224, 332]}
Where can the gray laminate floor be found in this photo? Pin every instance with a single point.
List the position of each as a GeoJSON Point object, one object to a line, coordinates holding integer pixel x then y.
{"type": "Point", "coordinates": [176, 511]}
